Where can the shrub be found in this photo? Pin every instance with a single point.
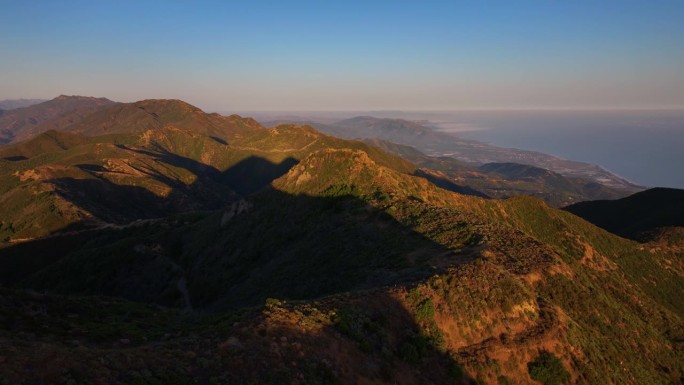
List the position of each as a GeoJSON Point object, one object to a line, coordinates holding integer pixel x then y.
{"type": "Point", "coordinates": [425, 311]}
{"type": "Point", "coordinates": [359, 327]}
{"type": "Point", "coordinates": [548, 369]}
{"type": "Point", "coordinates": [409, 353]}
{"type": "Point", "coordinates": [273, 302]}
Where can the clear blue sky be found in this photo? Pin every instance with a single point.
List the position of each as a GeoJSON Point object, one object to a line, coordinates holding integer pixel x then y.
{"type": "Point", "coordinates": [325, 55]}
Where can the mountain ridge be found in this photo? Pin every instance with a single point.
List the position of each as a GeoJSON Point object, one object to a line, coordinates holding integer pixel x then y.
{"type": "Point", "coordinates": [503, 180]}
{"type": "Point", "coordinates": [231, 252]}
{"type": "Point", "coordinates": [357, 127]}
{"type": "Point", "coordinates": [23, 123]}
{"type": "Point", "coordinates": [632, 216]}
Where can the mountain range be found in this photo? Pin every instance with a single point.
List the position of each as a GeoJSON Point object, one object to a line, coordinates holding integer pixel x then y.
{"type": "Point", "coordinates": [154, 243]}
{"type": "Point", "coordinates": [10, 104]}
{"type": "Point", "coordinates": [503, 180]}
{"type": "Point", "coordinates": [440, 144]}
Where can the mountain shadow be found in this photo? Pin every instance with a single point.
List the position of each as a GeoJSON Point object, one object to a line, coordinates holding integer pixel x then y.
{"type": "Point", "coordinates": [285, 246]}
{"type": "Point", "coordinates": [254, 173]}
{"type": "Point", "coordinates": [374, 334]}
{"type": "Point", "coordinates": [111, 202]}
{"type": "Point", "coordinates": [302, 247]}
{"type": "Point", "coordinates": [636, 214]}
{"type": "Point", "coordinates": [370, 337]}
{"type": "Point", "coordinates": [161, 154]}
{"type": "Point", "coordinates": [449, 185]}
{"type": "Point", "coordinates": [245, 177]}
{"type": "Point", "coordinates": [212, 189]}
{"type": "Point", "coordinates": [15, 158]}
{"type": "Point", "coordinates": [271, 245]}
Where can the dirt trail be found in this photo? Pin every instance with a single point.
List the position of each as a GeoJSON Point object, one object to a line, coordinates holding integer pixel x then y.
{"type": "Point", "coordinates": [101, 226]}
{"type": "Point", "coordinates": [548, 321]}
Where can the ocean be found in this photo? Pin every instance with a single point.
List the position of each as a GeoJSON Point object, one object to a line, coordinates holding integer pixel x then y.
{"type": "Point", "coordinates": [644, 146]}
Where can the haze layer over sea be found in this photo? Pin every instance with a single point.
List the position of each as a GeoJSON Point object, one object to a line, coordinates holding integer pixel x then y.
{"type": "Point", "coordinates": [644, 146]}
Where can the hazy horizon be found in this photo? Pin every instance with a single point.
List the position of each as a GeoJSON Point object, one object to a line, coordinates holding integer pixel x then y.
{"type": "Point", "coordinates": [371, 111]}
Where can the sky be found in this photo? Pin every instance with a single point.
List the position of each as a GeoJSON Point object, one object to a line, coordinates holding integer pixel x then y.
{"type": "Point", "coordinates": [348, 55]}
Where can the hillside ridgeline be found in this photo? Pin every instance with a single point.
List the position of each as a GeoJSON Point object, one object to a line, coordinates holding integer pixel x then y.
{"type": "Point", "coordinates": [208, 249]}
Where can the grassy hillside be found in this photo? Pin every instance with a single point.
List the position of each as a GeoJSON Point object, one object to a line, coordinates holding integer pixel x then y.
{"type": "Point", "coordinates": [153, 161]}
{"type": "Point", "coordinates": [502, 180]}
{"type": "Point", "coordinates": [332, 262]}
{"type": "Point", "coordinates": [486, 295]}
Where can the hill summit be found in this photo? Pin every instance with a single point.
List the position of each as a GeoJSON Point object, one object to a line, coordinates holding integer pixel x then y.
{"type": "Point", "coordinates": [23, 123]}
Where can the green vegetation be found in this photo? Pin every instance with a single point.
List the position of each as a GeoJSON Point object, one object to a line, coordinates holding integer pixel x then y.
{"type": "Point", "coordinates": [425, 310]}
{"type": "Point", "coordinates": [548, 370]}
{"type": "Point", "coordinates": [503, 180]}
{"type": "Point", "coordinates": [361, 328]}
{"type": "Point", "coordinates": [162, 246]}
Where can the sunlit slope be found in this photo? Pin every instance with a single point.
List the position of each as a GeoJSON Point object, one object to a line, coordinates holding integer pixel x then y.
{"type": "Point", "coordinates": [503, 180]}
{"type": "Point", "coordinates": [157, 158]}
{"type": "Point", "coordinates": [374, 274]}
